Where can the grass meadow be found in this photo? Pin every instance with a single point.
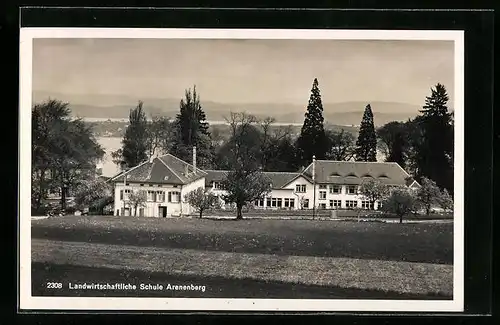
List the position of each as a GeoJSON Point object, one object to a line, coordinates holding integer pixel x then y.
{"type": "Point", "coordinates": [247, 258]}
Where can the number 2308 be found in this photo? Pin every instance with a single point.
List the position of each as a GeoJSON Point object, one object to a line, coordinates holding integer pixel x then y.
{"type": "Point", "coordinates": [54, 285]}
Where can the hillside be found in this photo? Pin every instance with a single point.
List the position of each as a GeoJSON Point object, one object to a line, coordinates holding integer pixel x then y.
{"type": "Point", "coordinates": [118, 106]}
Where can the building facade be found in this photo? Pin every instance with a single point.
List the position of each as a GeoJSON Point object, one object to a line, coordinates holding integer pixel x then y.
{"type": "Point", "coordinates": [166, 180]}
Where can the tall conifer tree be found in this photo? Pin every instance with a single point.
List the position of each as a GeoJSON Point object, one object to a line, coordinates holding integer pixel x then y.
{"type": "Point", "coordinates": [191, 129]}
{"type": "Point", "coordinates": [366, 145]}
{"type": "Point", "coordinates": [434, 154]}
{"type": "Point", "coordinates": [135, 139]}
{"type": "Point", "coordinates": [312, 139]}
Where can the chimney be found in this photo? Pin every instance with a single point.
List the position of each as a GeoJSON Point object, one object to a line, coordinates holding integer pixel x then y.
{"type": "Point", "coordinates": [194, 160]}
{"type": "Point", "coordinates": [314, 168]}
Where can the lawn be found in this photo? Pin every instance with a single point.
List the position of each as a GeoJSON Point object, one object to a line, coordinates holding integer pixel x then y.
{"type": "Point", "coordinates": [270, 258]}
{"type": "Point", "coordinates": [427, 243]}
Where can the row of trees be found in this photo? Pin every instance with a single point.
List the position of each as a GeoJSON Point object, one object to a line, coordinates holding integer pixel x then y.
{"type": "Point", "coordinates": [423, 145]}
{"type": "Point", "coordinates": [401, 200]}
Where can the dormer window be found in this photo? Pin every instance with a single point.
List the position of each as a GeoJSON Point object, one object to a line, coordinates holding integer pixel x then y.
{"type": "Point", "coordinates": [165, 178]}
{"type": "Point", "coordinates": [351, 175]}
{"type": "Point", "coordinates": [367, 176]}
{"type": "Point", "coordinates": [383, 176]}
{"type": "Point", "coordinates": [334, 174]}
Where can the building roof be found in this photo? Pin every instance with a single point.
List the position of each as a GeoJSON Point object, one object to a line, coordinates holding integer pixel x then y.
{"type": "Point", "coordinates": [351, 172]}
{"type": "Point", "coordinates": [277, 179]}
{"type": "Point", "coordinates": [166, 169]}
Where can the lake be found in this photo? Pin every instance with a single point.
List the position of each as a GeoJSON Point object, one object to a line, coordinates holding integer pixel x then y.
{"type": "Point", "coordinates": [109, 145]}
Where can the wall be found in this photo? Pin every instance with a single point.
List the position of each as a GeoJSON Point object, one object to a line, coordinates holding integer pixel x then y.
{"type": "Point", "coordinates": [152, 208]}
{"type": "Point", "coordinates": [186, 207]}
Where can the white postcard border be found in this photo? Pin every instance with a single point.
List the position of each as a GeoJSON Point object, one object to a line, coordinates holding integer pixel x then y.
{"type": "Point", "coordinates": [27, 302]}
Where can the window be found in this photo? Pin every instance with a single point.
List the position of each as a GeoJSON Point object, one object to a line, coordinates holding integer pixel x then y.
{"type": "Point", "coordinates": [322, 187]}
{"type": "Point", "coordinates": [351, 189]}
{"type": "Point", "coordinates": [322, 195]}
{"type": "Point", "coordinates": [322, 206]}
{"type": "Point", "coordinates": [160, 196]}
{"type": "Point", "coordinates": [306, 203]}
{"type": "Point", "coordinates": [367, 205]}
{"type": "Point", "coordinates": [335, 204]}
{"type": "Point", "coordinates": [350, 204]}
{"type": "Point", "coordinates": [141, 184]}
{"type": "Point", "coordinates": [268, 202]}
{"type": "Point", "coordinates": [276, 202]}
{"type": "Point", "coordinates": [289, 203]}
{"type": "Point", "coordinates": [151, 196]}
{"type": "Point", "coordinates": [127, 193]}
{"type": "Point", "coordinates": [300, 188]}
{"type": "Point", "coordinates": [259, 203]}
{"type": "Point", "coordinates": [335, 189]}
{"type": "Point", "coordinates": [379, 205]}
{"type": "Point", "coordinates": [174, 197]}
{"type": "Point", "coordinates": [218, 186]}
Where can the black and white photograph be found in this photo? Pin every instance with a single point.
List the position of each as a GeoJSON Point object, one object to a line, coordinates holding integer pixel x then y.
{"type": "Point", "coordinates": [264, 170]}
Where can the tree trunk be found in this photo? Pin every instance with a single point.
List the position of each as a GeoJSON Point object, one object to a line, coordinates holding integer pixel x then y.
{"type": "Point", "coordinates": [239, 216]}
{"type": "Point", "coordinates": [201, 213]}
{"type": "Point", "coordinates": [41, 188]}
{"type": "Point", "coordinates": [63, 198]}
{"type": "Point", "coordinates": [427, 210]}
{"type": "Point", "coordinates": [401, 218]}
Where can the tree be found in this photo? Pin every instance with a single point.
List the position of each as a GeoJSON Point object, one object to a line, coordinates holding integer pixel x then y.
{"type": "Point", "coordinates": [137, 199]}
{"type": "Point", "coordinates": [445, 201]}
{"type": "Point", "coordinates": [434, 153]}
{"type": "Point", "coordinates": [201, 199]}
{"type": "Point", "coordinates": [394, 142]}
{"type": "Point", "coordinates": [414, 145]}
{"type": "Point", "coordinates": [159, 135]}
{"type": "Point", "coordinates": [244, 186]}
{"type": "Point", "coordinates": [65, 150]}
{"type": "Point", "coordinates": [428, 194]}
{"type": "Point", "coordinates": [366, 145]}
{"type": "Point", "coordinates": [373, 191]}
{"type": "Point", "coordinates": [341, 145]}
{"type": "Point", "coordinates": [46, 120]}
{"type": "Point", "coordinates": [94, 193]}
{"type": "Point", "coordinates": [134, 149]}
{"type": "Point", "coordinates": [245, 182]}
{"type": "Point", "coordinates": [191, 129]}
{"type": "Point", "coordinates": [400, 202]}
{"type": "Point", "coordinates": [312, 139]}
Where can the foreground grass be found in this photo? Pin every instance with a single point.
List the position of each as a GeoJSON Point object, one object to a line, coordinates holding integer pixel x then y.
{"type": "Point", "coordinates": [363, 274]}
{"type": "Point", "coordinates": [425, 243]}
{"type": "Point", "coordinates": [215, 287]}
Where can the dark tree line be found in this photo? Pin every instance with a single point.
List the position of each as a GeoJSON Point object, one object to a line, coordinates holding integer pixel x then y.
{"type": "Point", "coordinates": [424, 145]}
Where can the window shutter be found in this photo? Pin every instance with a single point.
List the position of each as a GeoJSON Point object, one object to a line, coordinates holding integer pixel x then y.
{"type": "Point", "coordinates": [121, 194]}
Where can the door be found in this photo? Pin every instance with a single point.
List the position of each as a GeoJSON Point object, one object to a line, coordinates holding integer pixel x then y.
{"type": "Point", "coordinates": [141, 212]}
{"type": "Point", "coordinates": [162, 212]}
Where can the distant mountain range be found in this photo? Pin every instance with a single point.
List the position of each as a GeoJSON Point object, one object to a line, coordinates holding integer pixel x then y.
{"type": "Point", "coordinates": [118, 106]}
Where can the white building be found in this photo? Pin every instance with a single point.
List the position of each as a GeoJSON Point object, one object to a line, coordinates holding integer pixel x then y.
{"type": "Point", "coordinates": [167, 179]}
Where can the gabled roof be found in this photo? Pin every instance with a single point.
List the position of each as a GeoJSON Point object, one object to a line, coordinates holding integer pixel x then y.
{"type": "Point", "coordinates": [277, 179]}
{"type": "Point", "coordinates": [166, 169]}
{"type": "Point", "coordinates": [354, 172]}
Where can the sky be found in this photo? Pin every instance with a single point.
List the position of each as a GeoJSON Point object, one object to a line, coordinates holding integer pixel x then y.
{"type": "Point", "coordinates": [245, 71]}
